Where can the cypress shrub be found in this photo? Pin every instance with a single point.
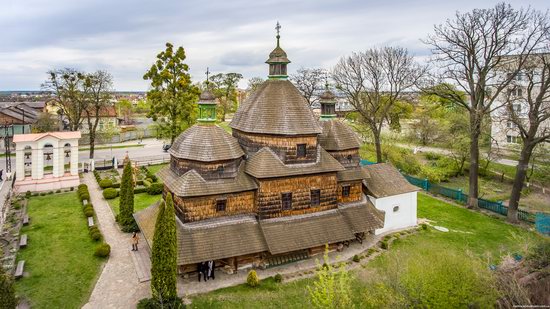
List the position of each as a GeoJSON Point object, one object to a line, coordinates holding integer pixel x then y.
{"type": "Point", "coordinates": [252, 279]}
{"type": "Point", "coordinates": [126, 206]}
{"type": "Point", "coordinates": [164, 254]}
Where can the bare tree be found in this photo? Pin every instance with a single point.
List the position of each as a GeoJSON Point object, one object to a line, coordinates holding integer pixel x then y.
{"type": "Point", "coordinates": [224, 86]}
{"type": "Point", "coordinates": [468, 49]}
{"type": "Point", "coordinates": [309, 81]}
{"type": "Point", "coordinates": [98, 92]}
{"type": "Point", "coordinates": [254, 83]}
{"type": "Point", "coordinates": [66, 85]}
{"type": "Point", "coordinates": [374, 81]}
{"type": "Point", "coordinates": [530, 116]}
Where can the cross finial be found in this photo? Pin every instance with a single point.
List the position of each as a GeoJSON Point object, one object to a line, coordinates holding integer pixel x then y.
{"type": "Point", "coordinates": [278, 28]}
{"type": "Point", "coordinates": [207, 76]}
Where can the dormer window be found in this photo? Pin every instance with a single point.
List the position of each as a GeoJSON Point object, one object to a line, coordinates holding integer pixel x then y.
{"type": "Point", "coordinates": [345, 190]}
{"type": "Point", "coordinates": [301, 150]}
{"type": "Point", "coordinates": [221, 205]}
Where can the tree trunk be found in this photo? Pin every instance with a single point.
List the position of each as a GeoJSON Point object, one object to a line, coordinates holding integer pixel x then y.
{"type": "Point", "coordinates": [474, 169]}
{"type": "Point", "coordinates": [377, 145]}
{"type": "Point", "coordinates": [521, 172]}
{"type": "Point", "coordinates": [92, 144]}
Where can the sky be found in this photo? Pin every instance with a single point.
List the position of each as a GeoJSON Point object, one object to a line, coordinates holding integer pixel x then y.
{"type": "Point", "coordinates": [124, 36]}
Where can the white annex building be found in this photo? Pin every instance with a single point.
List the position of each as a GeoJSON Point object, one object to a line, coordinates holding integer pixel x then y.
{"type": "Point", "coordinates": [46, 161]}
{"type": "Point", "coordinates": [389, 191]}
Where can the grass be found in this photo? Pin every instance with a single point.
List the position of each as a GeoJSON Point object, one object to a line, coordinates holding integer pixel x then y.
{"type": "Point", "coordinates": [225, 126]}
{"type": "Point", "coordinates": [141, 201]}
{"type": "Point", "coordinates": [470, 231]}
{"type": "Point", "coordinates": [59, 258]}
{"type": "Point", "coordinates": [156, 168]}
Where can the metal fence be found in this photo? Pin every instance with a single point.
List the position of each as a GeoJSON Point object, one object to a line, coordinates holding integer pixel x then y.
{"type": "Point", "coordinates": [459, 196]}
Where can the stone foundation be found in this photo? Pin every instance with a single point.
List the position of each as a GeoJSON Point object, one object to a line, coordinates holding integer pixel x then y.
{"type": "Point", "coordinates": [48, 183]}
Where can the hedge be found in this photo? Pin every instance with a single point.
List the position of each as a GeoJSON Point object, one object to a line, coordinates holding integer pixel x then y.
{"type": "Point", "coordinates": [105, 183]}
{"type": "Point", "coordinates": [110, 193]}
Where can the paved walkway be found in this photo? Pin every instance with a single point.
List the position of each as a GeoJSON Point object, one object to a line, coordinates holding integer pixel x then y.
{"type": "Point", "coordinates": [118, 285]}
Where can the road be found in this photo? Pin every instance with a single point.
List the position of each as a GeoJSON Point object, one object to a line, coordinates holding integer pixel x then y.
{"type": "Point", "coordinates": [151, 148]}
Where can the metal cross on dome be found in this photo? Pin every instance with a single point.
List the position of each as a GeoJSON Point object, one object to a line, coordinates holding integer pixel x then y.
{"type": "Point", "coordinates": [278, 28]}
{"type": "Point", "coordinates": [207, 74]}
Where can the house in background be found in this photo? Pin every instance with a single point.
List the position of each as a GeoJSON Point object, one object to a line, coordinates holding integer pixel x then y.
{"type": "Point", "coordinates": [390, 192]}
{"type": "Point", "coordinates": [107, 119]}
{"type": "Point", "coordinates": [22, 115]}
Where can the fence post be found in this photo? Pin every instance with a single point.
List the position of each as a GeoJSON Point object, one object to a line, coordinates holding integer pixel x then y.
{"type": "Point", "coordinates": [426, 184]}
{"type": "Point", "coordinates": [459, 195]}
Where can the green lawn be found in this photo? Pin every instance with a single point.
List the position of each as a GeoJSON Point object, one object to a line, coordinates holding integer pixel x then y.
{"type": "Point", "coordinates": [59, 257]}
{"type": "Point", "coordinates": [141, 201]}
{"type": "Point", "coordinates": [474, 232]}
{"type": "Point", "coordinates": [156, 168]}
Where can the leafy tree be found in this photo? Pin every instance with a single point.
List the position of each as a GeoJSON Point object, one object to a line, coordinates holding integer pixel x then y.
{"type": "Point", "coordinates": [126, 202]}
{"type": "Point", "coordinates": [469, 50]}
{"type": "Point", "coordinates": [224, 87]}
{"type": "Point", "coordinates": [254, 83]}
{"type": "Point", "coordinates": [332, 289]}
{"type": "Point", "coordinates": [7, 291]}
{"type": "Point", "coordinates": [46, 122]}
{"type": "Point", "coordinates": [67, 86]}
{"type": "Point", "coordinates": [309, 82]}
{"type": "Point", "coordinates": [125, 109]}
{"type": "Point", "coordinates": [97, 90]}
{"type": "Point", "coordinates": [164, 254]}
{"type": "Point", "coordinates": [172, 95]}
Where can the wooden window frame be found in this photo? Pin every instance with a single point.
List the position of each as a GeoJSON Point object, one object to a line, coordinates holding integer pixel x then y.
{"type": "Point", "coordinates": [286, 201]}
{"type": "Point", "coordinates": [301, 150]}
{"type": "Point", "coordinates": [221, 205]}
{"type": "Point", "coordinates": [346, 190]}
{"type": "Point", "coordinates": [317, 194]}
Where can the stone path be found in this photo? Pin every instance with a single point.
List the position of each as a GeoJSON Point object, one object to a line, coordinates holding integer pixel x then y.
{"type": "Point", "coordinates": [118, 285]}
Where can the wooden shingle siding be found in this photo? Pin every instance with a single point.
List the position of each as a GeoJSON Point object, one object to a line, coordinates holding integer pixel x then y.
{"type": "Point", "coordinates": [337, 135]}
{"type": "Point", "coordinates": [283, 146]}
{"type": "Point", "coordinates": [344, 156]}
{"type": "Point", "coordinates": [355, 192]}
{"type": "Point", "coordinates": [270, 190]}
{"type": "Point", "coordinates": [200, 208]}
{"type": "Point", "coordinates": [208, 170]}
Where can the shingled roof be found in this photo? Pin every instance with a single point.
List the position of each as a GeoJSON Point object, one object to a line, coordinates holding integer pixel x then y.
{"type": "Point", "coordinates": [352, 174]}
{"type": "Point", "coordinates": [386, 180]}
{"type": "Point", "coordinates": [362, 216]}
{"type": "Point", "coordinates": [192, 183]}
{"type": "Point", "coordinates": [293, 233]}
{"type": "Point", "coordinates": [206, 143]}
{"type": "Point", "coordinates": [266, 164]}
{"type": "Point", "coordinates": [218, 238]}
{"type": "Point", "coordinates": [210, 239]}
{"type": "Point", "coordinates": [337, 135]}
{"type": "Point", "coordinates": [276, 107]}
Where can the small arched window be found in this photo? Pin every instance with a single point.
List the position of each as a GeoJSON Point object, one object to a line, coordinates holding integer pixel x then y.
{"type": "Point", "coordinates": [395, 208]}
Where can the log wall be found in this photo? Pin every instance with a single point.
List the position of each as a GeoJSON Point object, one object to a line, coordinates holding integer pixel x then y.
{"type": "Point", "coordinates": [342, 157]}
{"type": "Point", "coordinates": [204, 207]}
{"type": "Point", "coordinates": [355, 191]}
{"type": "Point", "coordinates": [269, 194]}
{"type": "Point", "coordinates": [208, 170]}
{"type": "Point", "coordinates": [283, 146]}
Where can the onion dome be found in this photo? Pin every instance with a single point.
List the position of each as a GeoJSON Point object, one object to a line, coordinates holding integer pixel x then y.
{"type": "Point", "coordinates": [278, 60]}
{"type": "Point", "coordinates": [276, 107]}
{"type": "Point", "coordinates": [337, 136]}
{"type": "Point", "coordinates": [328, 104]}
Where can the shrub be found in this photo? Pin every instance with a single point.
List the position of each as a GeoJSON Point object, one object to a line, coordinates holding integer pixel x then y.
{"type": "Point", "coordinates": [140, 190]}
{"type": "Point", "coordinates": [58, 191]}
{"type": "Point", "coordinates": [155, 188]}
{"type": "Point", "coordinates": [42, 193]}
{"type": "Point", "coordinates": [16, 205]}
{"type": "Point", "coordinates": [84, 196]}
{"type": "Point", "coordinates": [110, 193]}
{"type": "Point", "coordinates": [356, 258]}
{"type": "Point", "coordinates": [93, 229]}
{"type": "Point", "coordinates": [96, 235]}
{"type": "Point", "coordinates": [72, 188]}
{"type": "Point", "coordinates": [89, 211]}
{"type": "Point", "coordinates": [384, 244]}
{"type": "Point", "coordinates": [82, 186]}
{"type": "Point", "coordinates": [116, 185]}
{"type": "Point", "coordinates": [252, 279]}
{"type": "Point", "coordinates": [105, 183]}
{"type": "Point", "coordinates": [50, 192]}
{"type": "Point", "coordinates": [146, 183]}
{"type": "Point", "coordinates": [102, 250]}
{"type": "Point", "coordinates": [28, 194]}
{"type": "Point", "coordinates": [432, 156]}
{"type": "Point", "coordinates": [151, 303]}
{"type": "Point", "coordinates": [139, 183]}
{"type": "Point", "coordinates": [278, 278]}
{"type": "Point", "coordinates": [424, 226]}
{"type": "Point", "coordinates": [371, 251]}
{"type": "Point", "coordinates": [154, 178]}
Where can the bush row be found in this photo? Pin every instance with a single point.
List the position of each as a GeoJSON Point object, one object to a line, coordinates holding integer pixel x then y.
{"type": "Point", "coordinates": [83, 193]}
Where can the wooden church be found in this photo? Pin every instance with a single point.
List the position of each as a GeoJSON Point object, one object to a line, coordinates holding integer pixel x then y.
{"type": "Point", "coordinates": [280, 187]}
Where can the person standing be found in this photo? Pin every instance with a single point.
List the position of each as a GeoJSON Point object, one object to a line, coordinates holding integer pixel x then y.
{"type": "Point", "coordinates": [135, 241]}
{"type": "Point", "coordinates": [211, 267]}
{"type": "Point", "coordinates": [1, 173]}
{"type": "Point", "coordinates": [199, 269]}
{"type": "Point", "coordinates": [205, 270]}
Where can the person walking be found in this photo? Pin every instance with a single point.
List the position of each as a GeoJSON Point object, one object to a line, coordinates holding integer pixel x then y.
{"type": "Point", "coordinates": [135, 241]}
{"type": "Point", "coordinates": [1, 173]}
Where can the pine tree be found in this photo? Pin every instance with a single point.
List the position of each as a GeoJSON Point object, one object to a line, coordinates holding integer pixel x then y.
{"type": "Point", "coordinates": [7, 291]}
{"type": "Point", "coordinates": [126, 203]}
{"type": "Point", "coordinates": [164, 255]}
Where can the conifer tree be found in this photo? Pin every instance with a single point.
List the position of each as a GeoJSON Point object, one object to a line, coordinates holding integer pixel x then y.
{"type": "Point", "coordinates": [7, 291]}
{"type": "Point", "coordinates": [126, 203]}
{"type": "Point", "coordinates": [164, 255]}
